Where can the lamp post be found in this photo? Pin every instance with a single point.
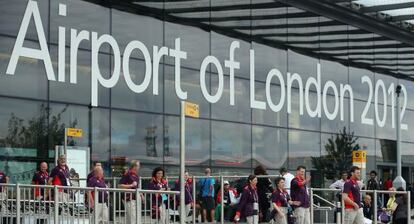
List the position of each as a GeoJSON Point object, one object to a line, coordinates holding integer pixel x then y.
{"type": "Point", "coordinates": [399, 180]}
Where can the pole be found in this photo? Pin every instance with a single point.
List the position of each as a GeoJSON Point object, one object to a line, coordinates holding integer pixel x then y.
{"type": "Point", "coordinates": [182, 164]}
{"type": "Point", "coordinates": [66, 141]}
{"type": "Point", "coordinates": [399, 180]}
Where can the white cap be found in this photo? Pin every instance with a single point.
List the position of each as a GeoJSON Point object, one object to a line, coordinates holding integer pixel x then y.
{"type": "Point", "coordinates": [226, 182]}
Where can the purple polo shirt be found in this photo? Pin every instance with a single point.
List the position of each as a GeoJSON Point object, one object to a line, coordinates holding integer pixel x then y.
{"type": "Point", "coordinates": [157, 186]}
{"type": "Point", "coordinates": [60, 176]}
{"type": "Point", "coordinates": [298, 192]}
{"type": "Point", "coordinates": [99, 183]}
{"type": "Point", "coordinates": [128, 178]}
{"type": "Point", "coordinates": [280, 198]}
{"type": "Point", "coordinates": [352, 189]}
{"type": "Point", "coordinates": [40, 178]}
{"type": "Point", "coordinates": [90, 175]}
{"type": "Point", "coordinates": [2, 180]}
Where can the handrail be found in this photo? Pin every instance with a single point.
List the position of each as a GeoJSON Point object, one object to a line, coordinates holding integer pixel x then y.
{"type": "Point", "coordinates": [323, 199]}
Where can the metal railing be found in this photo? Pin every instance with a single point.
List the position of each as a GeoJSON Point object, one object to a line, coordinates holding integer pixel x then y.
{"type": "Point", "coordinates": [20, 203]}
{"type": "Point", "coordinates": [57, 204]}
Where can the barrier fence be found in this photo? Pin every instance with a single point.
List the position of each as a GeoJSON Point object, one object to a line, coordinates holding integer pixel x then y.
{"type": "Point", "coordinates": [34, 204]}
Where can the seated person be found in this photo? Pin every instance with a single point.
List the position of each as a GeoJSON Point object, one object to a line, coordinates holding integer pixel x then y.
{"type": "Point", "coordinates": [230, 201]}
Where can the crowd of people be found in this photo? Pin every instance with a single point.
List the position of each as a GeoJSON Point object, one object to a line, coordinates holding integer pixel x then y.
{"type": "Point", "coordinates": [285, 201]}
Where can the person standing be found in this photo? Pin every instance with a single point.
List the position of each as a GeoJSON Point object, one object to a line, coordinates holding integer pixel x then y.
{"type": "Point", "coordinates": [159, 200]}
{"type": "Point", "coordinates": [249, 202]}
{"type": "Point", "coordinates": [300, 194]}
{"type": "Point", "coordinates": [101, 208]}
{"type": "Point", "coordinates": [40, 177]}
{"type": "Point", "coordinates": [60, 177]}
{"type": "Point", "coordinates": [264, 190]}
{"type": "Point", "coordinates": [207, 196]}
{"type": "Point", "coordinates": [92, 173]}
{"type": "Point", "coordinates": [352, 198]}
{"type": "Point", "coordinates": [288, 178]}
{"type": "Point", "coordinates": [130, 180]}
{"type": "Point", "coordinates": [188, 188]}
{"type": "Point", "coordinates": [281, 202]}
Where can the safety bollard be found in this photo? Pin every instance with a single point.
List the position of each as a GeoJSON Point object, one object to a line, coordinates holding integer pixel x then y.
{"type": "Point", "coordinates": [338, 212]}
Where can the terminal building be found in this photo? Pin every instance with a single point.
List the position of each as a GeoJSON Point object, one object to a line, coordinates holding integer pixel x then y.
{"type": "Point", "coordinates": [274, 80]}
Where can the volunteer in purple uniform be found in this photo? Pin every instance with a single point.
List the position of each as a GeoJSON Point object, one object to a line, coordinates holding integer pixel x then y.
{"type": "Point", "coordinates": [352, 198]}
{"type": "Point", "coordinates": [280, 202]}
{"type": "Point", "coordinates": [101, 208]}
{"type": "Point", "coordinates": [299, 193]}
{"type": "Point", "coordinates": [130, 180]}
{"type": "Point", "coordinates": [188, 198]}
{"type": "Point", "coordinates": [249, 202]}
{"type": "Point", "coordinates": [92, 173]}
{"type": "Point", "coordinates": [60, 177]}
{"type": "Point", "coordinates": [158, 201]}
{"type": "Point", "coordinates": [41, 177]}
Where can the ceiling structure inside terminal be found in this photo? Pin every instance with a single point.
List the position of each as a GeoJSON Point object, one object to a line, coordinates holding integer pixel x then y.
{"type": "Point", "coordinates": [373, 34]}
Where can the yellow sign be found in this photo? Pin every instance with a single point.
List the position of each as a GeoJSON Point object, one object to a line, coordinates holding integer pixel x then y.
{"type": "Point", "coordinates": [74, 132]}
{"type": "Point", "coordinates": [359, 156]}
{"type": "Point", "coordinates": [192, 110]}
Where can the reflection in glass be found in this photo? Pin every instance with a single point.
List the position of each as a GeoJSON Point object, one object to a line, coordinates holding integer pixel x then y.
{"type": "Point", "coordinates": [231, 148]}
{"type": "Point", "coordinates": [302, 146]}
{"type": "Point", "coordinates": [197, 149]}
{"type": "Point", "coordinates": [269, 147]}
{"type": "Point", "coordinates": [136, 136]}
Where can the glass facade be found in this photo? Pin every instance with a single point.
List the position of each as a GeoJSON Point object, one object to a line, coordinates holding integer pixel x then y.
{"type": "Point", "coordinates": [234, 138]}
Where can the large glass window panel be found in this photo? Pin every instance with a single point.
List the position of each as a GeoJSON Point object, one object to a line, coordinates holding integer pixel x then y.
{"type": "Point", "coordinates": [194, 41]}
{"type": "Point", "coordinates": [406, 134]}
{"type": "Point", "coordinates": [387, 131]}
{"type": "Point", "coordinates": [11, 16]}
{"type": "Point", "coordinates": [29, 79]}
{"type": "Point", "coordinates": [386, 150]}
{"type": "Point", "coordinates": [409, 86]}
{"type": "Point", "coordinates": [80, 15]}
{"type": "Point", "coordinates": [220, 48]}
{"type": "Point", "coordinates": [368, 145]}
{"type": "Point", "coordinates": [303, 65]}
{"type": "Point", "coordinates": [197, 141]}
{"type": "Point", "coordinates": [81, 91]}
{"type": "Point", "coordinates": [268, 58]}
{"type": "Point", "coordinates": [190, 82]}
{"type": "Point", "coordinates": [268, 116]}
{"type": "Point", "coordinates": [269, 147]}
{"type": "Point", "coordinates": [333, 71]}
{"type": "Point", "coordinates": [231, 148]}
{"type": "Point", "coordinates": [357, 126]}
{"type": "Point", "coordinates": [124, 97]}
{"type": "Point", "coordinates": [18, 171]}
{"type": "Point", "coordinates": [240, 111]}
{"type": "Point", "coordinates": [69, 116]}
{"type": "Point", "coordinates": [303, 145]}
{"type": "Point", "coordinates": [100, 151]}
{"type": "Point", "coordinates": [360, 90]}
{"type": "Point", "coordinates": [127, 27]}
{"type": "Point", "coordinates": [304, 121]}
{"type": "Point", "coordinates": [407, 152]}
{"type": "Point", "coordinates": [23, 132]}
{"type": "Point", "coordinates": [136, 136]}
{"type": "Point", "coordinates": [388, 80]}
{"type": "Point", "coordinates": [336, 124]}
